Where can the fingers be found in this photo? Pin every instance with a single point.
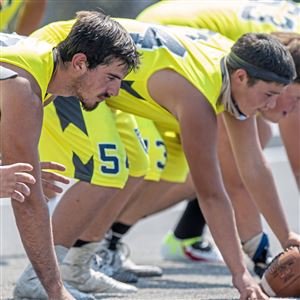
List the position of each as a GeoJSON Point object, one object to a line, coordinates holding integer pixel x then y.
{"type": "Point", "coordinates": [22, 188]}
{"type": "Point", "coordinates": [25, 177]}
{"type": "Point", "coordinates": [51, 185]}
{"type": "Point", "coordinates": [21, 191]}
{"type": "Point", "coordinates": [17, 196]}
{"type": "Point", "coordinates": [21, 167]}
{"type": "Point", "coordinates": [52, 165]}
{"type": "Point", "coordinates": [252, 296]}
{"type": "Point", "coordinates": [256, 294]}
{"type": "Point", "coordinates": [49, 176]}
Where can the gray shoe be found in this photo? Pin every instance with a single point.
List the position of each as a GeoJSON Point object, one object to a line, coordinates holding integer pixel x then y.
{"type": "Point", "coordinates": [29, 286]}
{"type": "Point", "coordinates": [104, 262]}
{"type": "Point", "coordinates": [119, 261]}
{"type": "Point", "coordinates": [77, 271]}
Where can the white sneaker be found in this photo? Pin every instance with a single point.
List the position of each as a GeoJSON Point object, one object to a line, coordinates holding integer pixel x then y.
{"type": "Point", "coordinates": [193, 249]}
{"type": "Point", "coordinates": [118, 260]}
{"type": "Point", "coordinates": [76, 270]}
{"type": "Point", "coordinates": [29, 286]}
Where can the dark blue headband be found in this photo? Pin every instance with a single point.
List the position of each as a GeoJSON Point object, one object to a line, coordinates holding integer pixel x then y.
{"type": "Point", "coordinates": [236, 62]}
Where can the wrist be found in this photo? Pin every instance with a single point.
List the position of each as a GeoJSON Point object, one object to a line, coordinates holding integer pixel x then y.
{"type": "Point", "coordinates": [239, 271]}
{"type": "Point", "coordinates": [55, 288]}
{"type": "Point", "coordinates": [285, 237]}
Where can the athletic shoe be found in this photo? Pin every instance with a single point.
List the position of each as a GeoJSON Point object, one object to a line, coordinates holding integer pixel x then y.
{"type": "Point", "coordinates": [77, 271]}
{"type": "Point", "coordinates": [120, 263]}
{"type": "Point", "coordinates": [258, 249]}
{"type": "Point", "coordinates": [195, 249]}
{"type": "Point", "coordinates": [29, 286]}
{"type": "Point", "coordinates": [107, 266]}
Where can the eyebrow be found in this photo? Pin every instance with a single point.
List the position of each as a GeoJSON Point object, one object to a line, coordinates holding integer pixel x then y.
{"type": "Point", "coordinates": [115, 76]}
{"type": "Point", "coordinates": [273, 92]}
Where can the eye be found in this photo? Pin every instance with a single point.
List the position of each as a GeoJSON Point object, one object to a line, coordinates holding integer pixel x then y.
{"type": "Point", "coordinates": [269, 95]}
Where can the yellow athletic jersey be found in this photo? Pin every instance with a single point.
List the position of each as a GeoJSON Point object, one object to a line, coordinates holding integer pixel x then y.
{"type": "Point", "coordinates": [176, 168]}
{"type": "Point", "coordinates": [32, 55]}
{"type": "Point", "coordinates": [230, 18]}
{"type": "Point", "coordinates": [92, 151]}
{"type": "Point", "coordinates": [136, 150]}
{"type": "Point", "coordinates": [194, 54]}
{"type": "Point", "coordinates": [8, 10]}
{"type": "Point", "coordinates": [155, 147]}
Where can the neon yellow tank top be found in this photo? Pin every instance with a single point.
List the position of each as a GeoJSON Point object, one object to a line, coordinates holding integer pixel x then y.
{"type": "Point", "coordinates": [30, 54]}
{"type": "Point", "coordinates": [230, 18]}
{"type": "Point", "coordinates": [8, 11]}
{"type": "Point", "coordinates": [194, 54]}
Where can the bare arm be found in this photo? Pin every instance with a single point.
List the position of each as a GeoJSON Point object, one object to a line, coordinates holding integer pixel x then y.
{"type": "Point", "coordinates": [290, 134]}
{"type": "Point", "coordinates": [14, 181]}
{"type": "Point", "coordinates": [21, 121]}
{"type": "Point", "coordinates": [199, 137]}
{"type": "Point", "coordinates": [31, 16]}
{"type": "Point", "coordinates": [256, 174]}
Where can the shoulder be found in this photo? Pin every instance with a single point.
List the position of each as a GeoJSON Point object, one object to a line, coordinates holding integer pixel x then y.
{"type": "Point", "coordinates": [19, 92]}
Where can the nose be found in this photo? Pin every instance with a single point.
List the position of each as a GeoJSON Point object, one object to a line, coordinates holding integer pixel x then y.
{"type": "Point", "coordinates": [114, 89]}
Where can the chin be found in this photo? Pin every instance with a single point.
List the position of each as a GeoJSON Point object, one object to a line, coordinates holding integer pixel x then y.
{"type": "Point", "coordinates": [272, 118]}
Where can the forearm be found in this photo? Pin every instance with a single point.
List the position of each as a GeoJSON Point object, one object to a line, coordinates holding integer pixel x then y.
{"type": "Point", "coordinates": [33, 222]}
{"type": "Point", "coordinates": [290, 134]}
{"type": "Point", "coordinates": [220, 219]}
{"type": "Point", "coordinates": [261, 186]}
{"type": "Point", "coordinates": [19, 142]}
{"type": "Point", "coordinates": [256, 174]}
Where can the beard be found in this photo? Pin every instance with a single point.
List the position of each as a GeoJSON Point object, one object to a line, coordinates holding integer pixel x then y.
{"type": "Point", "coordinates": [77, 87]}
{"type": "Point", "coordinates": [88, 107]}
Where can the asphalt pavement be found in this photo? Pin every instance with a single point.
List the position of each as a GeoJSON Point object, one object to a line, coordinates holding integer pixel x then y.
{"type": "Point", "coordinates": [181, 280]}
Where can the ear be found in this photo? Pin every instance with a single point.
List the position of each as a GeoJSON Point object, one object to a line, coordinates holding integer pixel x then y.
{"type": "Point", "coordinates": [79, 62]}
{"type": "Point", "coordinates": [240, 76]}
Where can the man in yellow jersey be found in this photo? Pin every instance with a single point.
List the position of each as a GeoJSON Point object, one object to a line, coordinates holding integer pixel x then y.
{"type": "Point", "coordinates": [92, 147]}
{"type": "Point", "coordinates": [89, 64]}
{"type": "Point", "coordinates": [232, 19]}
{"type": "Point", "coordinates": [180, 86]}
{"type": "Point", "coordinates": [29, 13]}
{"type": "Point", "coordinates": [149, 91]}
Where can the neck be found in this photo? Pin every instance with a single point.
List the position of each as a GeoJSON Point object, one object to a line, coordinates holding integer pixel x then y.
{"type": "Point", "coordinates": [58, 84]}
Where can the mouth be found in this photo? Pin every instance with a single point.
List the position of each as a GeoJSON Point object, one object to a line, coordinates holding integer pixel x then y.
{"type": "Point", "coordinates": [102, 98]}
